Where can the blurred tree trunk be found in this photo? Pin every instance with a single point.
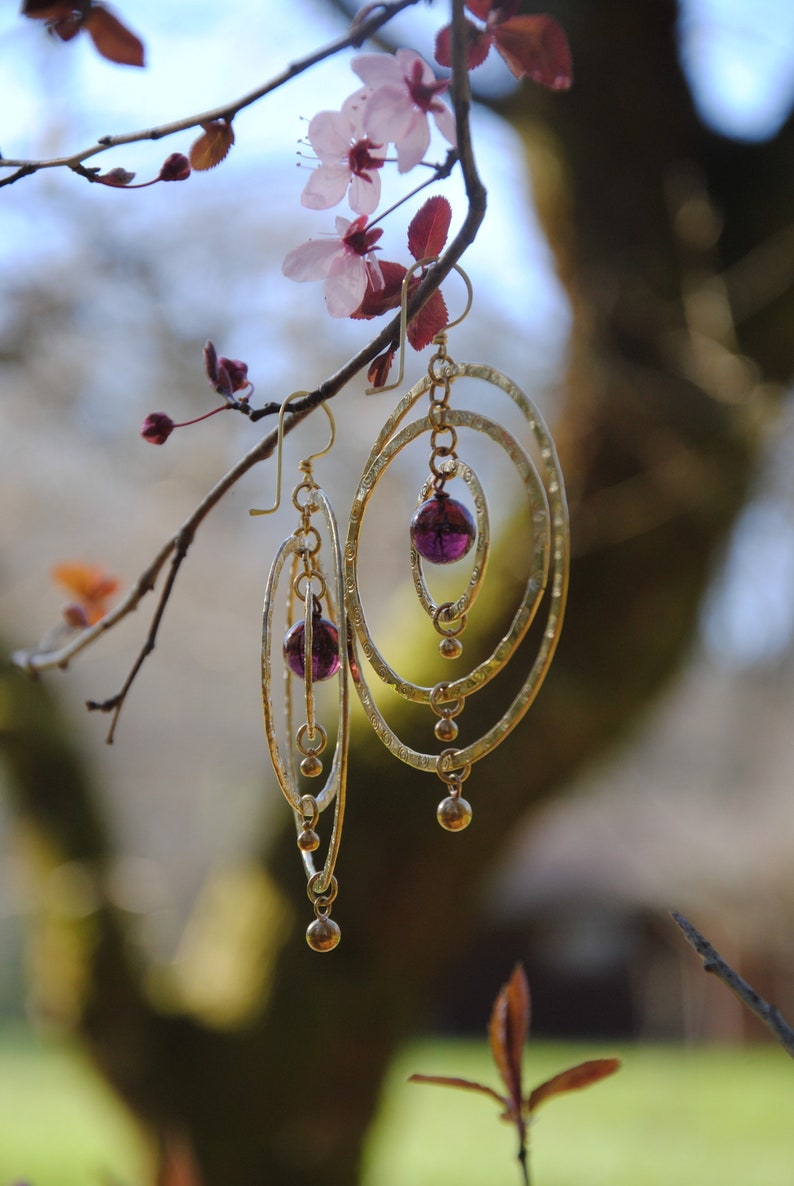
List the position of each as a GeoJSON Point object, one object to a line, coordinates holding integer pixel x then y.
{"type": "Point", "coordinates": [660, 432]}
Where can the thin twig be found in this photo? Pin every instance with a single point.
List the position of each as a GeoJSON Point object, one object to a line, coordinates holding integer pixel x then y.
{"type": "Point", "coordinates": [377, 16]}
{"type": "Point", "coordinates": [713, 962]}
{"type": "Point", "coordinates": [177, 546]}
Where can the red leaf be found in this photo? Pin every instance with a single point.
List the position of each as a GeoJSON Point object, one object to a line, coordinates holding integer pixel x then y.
{"type": "Point", "coordinates": [536, 47]}
{"type": "Point", "coordinates": [44, 10]}
{"type": "Point", "coordinates": [507, 1031]}
{"type": "Point", "coordinates": [466, 1084]}
{"type": "Point", "coordinates": [429, 321]}
{"type": "Point", "coordinates": [479, 45]}
{"type": "Point", "coordinates": [212, 145]}
{"type": "Point", "coordinates": [573, 1079]}
{"type": "Point", "coordinates": [114, 40]}
{"type": "Point", "coordinates": [480, 8]}
{"type": "Point", "coordinates": [429, 227]}
{"type": "Point", "coordinates": [379, 300]}
{"type": "Point", "coordinates": [378, 370]}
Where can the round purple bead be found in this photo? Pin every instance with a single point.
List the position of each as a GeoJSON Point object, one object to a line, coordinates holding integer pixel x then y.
{"type": "Point", "coordinates": [442, 529]}
{"type": "Point", "coordinates": [325, 648]}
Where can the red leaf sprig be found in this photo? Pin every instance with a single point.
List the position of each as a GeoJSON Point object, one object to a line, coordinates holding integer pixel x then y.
{"type": "Point", "coordinates": [427, 235]}
{"type": "Point", "coordinates": [111, 37]}
{"type": "Point", "coordinates": [507, 1033]}
{"type": "Point", "coordinates": [533, 45]}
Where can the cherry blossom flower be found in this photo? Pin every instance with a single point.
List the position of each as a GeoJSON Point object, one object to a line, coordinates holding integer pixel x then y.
{"type": "Point", "coordinates": [405, 91]}
{"type": "Point", "coordinates": [346, 262]}
{"type": "Point", "coordinates": [347, 158]}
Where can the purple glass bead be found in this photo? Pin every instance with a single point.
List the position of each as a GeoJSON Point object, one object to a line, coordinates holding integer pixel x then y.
{"type": "Point", "coordinates": [442, 529]}
{"type": "Point", "coordinates": [325, 648]}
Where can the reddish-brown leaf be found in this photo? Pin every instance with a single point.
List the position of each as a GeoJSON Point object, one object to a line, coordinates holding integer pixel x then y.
{"type": "Point", "coordinates": [479, 45]}
{"type": "Point", "coordinates": [465, 1084]}
{"type": "Point", "coordinates": [45, 10]}
{"type": "Point", "coordinates": [429, 227]}
{"type": "Point", "coordinates": [378, 370]}
{"type": "Point", "coordinates": [507, 1031]}
{"type": "Point", "coordinates": [113, 39]}
{"type": "Point", "coordinates": [429, 321]}
{"type": "Point", "coordinates": [212, 145]}
{"type": "Point", "coordinates": [89, 584]}
{"type": "Point", "coordinates": [573, 1079]}
{"type": "Point", "coordinates": [379, 300]}
{"type": "Point", "coordinates": [536, 47]}
{"type": "Point", "coordinates": [481, 8]}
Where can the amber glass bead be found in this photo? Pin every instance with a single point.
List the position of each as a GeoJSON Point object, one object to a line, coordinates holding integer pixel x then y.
{"type": "Point", "coordinates": [323, 934]}
{"type": "Point", "coordinates": [454, 813]}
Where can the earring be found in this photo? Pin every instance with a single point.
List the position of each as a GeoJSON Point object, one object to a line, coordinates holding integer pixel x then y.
{"type": "Point", "coordinates": [442, 531]}
{"type": "Point", "coordinates": [321, 634]}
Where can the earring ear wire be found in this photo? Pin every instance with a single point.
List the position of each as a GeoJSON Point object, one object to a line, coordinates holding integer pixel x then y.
{"type": "Point", "coordinates": [420, 263]}
{"type": "Point", "coordinates": [306, 465]}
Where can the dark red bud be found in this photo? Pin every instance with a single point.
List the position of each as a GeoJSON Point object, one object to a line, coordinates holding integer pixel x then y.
{"type": "Point", "coordinates": [176, 167]}
{"type": "Point", "coordinates": [157, 428]}
{"type": "Point", "coordinates": [75, 616]}
{"type": "Point", "coordinates": [235, 371]}
{"type": "Point", "coordinates": [117, 176]}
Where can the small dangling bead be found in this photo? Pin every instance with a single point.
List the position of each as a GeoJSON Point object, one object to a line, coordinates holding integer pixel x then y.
{"type": "Point", "coordinates": [454, 813]}
{"type": "Point", "coordinates": [442, 529]}
{"type": "Point", "coordinates": [308, 840]}
{"type": "Point", "coordinates": [446, 729]}
{"type": "Point", "coordinates": [323, 934]}
{"type": "Point", "coordinates": [325, 648]}
{"type": "Point", "coordinates": [450, 648]}
{"type": "Point", "coordinates": [311, 766]}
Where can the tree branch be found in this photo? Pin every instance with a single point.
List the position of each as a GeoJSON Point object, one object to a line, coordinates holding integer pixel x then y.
{"type": "Point", "coordinates": [177, 546]}
{"type": "Point", "coordinates": [371, 18]}
{"type": "Point", "coordinates": [713, 962]}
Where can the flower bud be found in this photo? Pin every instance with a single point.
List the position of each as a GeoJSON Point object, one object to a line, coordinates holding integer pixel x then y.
{"type": "Point", "coordinates": [74, 615]}
{"type": "Point", "coordinates": [175, 167]}
{"type": "Point", "coordinates": [157, 428]}
{"type": "Point", "coordinates": [235, 371]}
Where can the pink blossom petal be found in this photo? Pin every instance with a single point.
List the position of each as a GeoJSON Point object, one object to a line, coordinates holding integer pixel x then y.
{"type": "Point", "coordinates": [377, 69]}
{"type": "Point", "coordinates": [406, 60]}
{"type": "Point", "coordinates": [445, 121]}
{"type": "Point", "coordinates": [313, 260]}
{"type": "Point", "coordinates": [346, 284]}
{"type": "Point", "coordinates": [365, 192]}
{"type": "Point", "coordinates": [389, 114]}
{"type": "Point", "coordinates": [329, 135]}
{"type": "Point", "coordinates": [326, 187]}
{"type": "Point", "coordinates": [413, 144]}
{"type": "Point", "coordinates": [353, 111]}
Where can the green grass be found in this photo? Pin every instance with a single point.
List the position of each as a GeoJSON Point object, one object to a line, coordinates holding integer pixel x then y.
{"type": "Point", "coordinates": [59, 1124]}
{"type": "Point", "coordinates": [670, 1117]}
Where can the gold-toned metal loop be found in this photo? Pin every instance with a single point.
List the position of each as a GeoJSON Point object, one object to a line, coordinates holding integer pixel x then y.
{"type": "Point", "coordinates": [453, 628]}
{"type": "Point", "coordinates": [447, 773]}
{"type": "Point", "coordinates": [421, 263]}
{"type": "Point", "coordinates": [301, 589]}
{"type": "Point", "coordinates": [318, 892]}
{"type": "Point", "coordinates": [302, 533]}
{"type": "Point", "coordinates": [305, 465]}
{"type": "Point", "coordinates": [308, 811]}
{"type": "Point", "coordinates": [451, 708]}
{"type": "Point", "coordinates": [306, 735]}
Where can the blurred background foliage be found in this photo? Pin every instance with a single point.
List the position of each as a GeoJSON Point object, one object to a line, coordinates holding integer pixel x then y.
{"type": "Point", "coordinates": [635, 276]}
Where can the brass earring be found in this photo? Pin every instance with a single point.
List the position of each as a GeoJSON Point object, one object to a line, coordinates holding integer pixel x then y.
{"type": "Point", "coordinates": [442, 531]}
{"type": "Point", "coordinates": [320, 634]}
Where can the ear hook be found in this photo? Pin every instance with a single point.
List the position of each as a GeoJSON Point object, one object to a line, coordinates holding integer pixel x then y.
{"type": "Point", "coordinates": [420, 263]}
{"type": "Point", "coordinates": [304, 465]}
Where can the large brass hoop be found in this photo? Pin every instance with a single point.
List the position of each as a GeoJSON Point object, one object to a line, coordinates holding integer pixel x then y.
{"type": "Point", "coordinates": [333, 790]}
{"type": "Point", "coordinates": [548, 571]}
